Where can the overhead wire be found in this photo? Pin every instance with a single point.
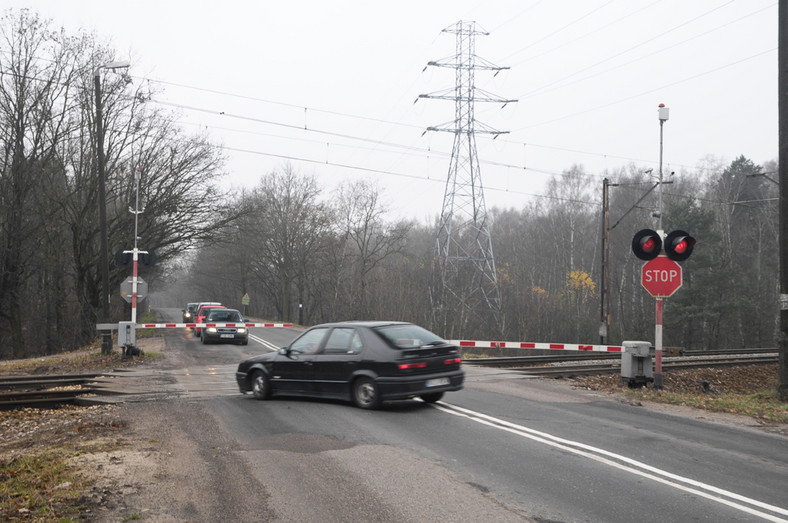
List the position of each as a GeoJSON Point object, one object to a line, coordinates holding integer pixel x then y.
{"type": "Point", "coordinates": [656, 52]}
{"type": "Point", "coordinates": [625, 51]}
{"type": "Point", "coordinates": [415, 149]}
{"type": "Point", "coordinates": [642, 93]}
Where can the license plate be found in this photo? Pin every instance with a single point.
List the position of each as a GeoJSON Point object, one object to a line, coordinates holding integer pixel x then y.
{"type": "Point", "coordinates": [226, 335]}
{"type": "Point", "coordinates": [437, 382]}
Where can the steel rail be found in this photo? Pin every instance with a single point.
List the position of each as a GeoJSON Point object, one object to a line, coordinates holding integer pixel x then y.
{"type": "Point", "coordinates": [568, 371]}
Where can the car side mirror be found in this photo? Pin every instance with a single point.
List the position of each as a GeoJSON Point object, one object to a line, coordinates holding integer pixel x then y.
{"type": "Point", "coordinates": [284, 351]}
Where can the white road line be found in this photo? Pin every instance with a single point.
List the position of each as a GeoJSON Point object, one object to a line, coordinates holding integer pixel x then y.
{"type": "Point", "coordinates": [630, 465]}
{"type": "Point", "coordinates": [267, 345]}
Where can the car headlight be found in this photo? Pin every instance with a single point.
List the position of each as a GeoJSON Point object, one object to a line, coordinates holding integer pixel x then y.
{"type": "Point", "coordinates": [188, 314]}
{"type": "Point", "coordinates": [212, 330]}
{"type": "Point", "coordinates": [241, 331]}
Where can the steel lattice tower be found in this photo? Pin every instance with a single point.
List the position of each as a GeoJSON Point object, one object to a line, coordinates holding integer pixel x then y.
{"type": "Point", "coordinates": [464, 275]}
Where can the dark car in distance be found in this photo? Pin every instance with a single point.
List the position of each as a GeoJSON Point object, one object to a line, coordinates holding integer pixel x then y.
{"type": "Point", "coordinates": [188, 312]}
{"type": "Point", "coordinates": [237, 333]}
{"type": "Point", "coordinates": [366, 362]}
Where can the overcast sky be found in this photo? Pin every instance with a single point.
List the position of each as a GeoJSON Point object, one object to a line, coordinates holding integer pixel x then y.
{"type": "Point", "coordinates": [330, 85]}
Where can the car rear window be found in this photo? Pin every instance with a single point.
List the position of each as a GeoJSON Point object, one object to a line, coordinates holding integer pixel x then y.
{"type": "Point", "coordinates": [408, 336]}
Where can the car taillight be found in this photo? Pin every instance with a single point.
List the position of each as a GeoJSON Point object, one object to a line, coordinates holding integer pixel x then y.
{"type": "Point", "coordinates": [408, 366]}
{"type": "Point", "coordinates": [453, 361]}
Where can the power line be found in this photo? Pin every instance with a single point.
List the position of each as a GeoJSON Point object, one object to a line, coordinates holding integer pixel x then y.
{"type": "Point", "coordinates": [415, 149]}
{"type": "Point", "coordinates": [543, 89]}
{"type": "Point", "coordinates": [625, 51]}
{"type": "Point", "coordinates": [665, 86]}
{"type": "Point", "coordinates": [393, 173]}
{"type": "Point", "coordinates": [389, 122]}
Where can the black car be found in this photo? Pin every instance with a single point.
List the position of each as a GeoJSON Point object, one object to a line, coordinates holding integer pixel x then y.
{"type": "Point", "coordinates": [188, 312]}
{"type": "Point", "coordinates": [229, 333]}
{"type": "Point", "coordinates": [366, 362]}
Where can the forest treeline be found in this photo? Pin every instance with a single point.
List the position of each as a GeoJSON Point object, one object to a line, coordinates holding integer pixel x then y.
{"type": "Point", "coordinates": [308, 254]}
{"type": "Point", "coordinates": [304, 260]}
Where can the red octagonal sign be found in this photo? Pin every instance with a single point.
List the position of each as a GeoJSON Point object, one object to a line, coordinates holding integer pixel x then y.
{"type": "Point", "coordinates": [661, 277]}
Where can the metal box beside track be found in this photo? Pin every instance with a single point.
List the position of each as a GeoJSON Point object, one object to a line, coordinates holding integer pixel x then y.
{"type": "Point", "coordinates": [637, 363]}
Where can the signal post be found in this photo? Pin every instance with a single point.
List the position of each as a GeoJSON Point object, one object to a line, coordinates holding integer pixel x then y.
{"type": "Point", "coordinates": [661, 276]}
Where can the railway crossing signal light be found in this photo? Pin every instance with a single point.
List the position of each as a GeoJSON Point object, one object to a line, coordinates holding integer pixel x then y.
{"type": "Point", "coordinates": [679, 245]}
{"type": "Point", "coordinates": [148, 259]}
{"type": "Point", "coordinates": [646, 244]}
{"type": "Point", "coordinates": [123, 259]}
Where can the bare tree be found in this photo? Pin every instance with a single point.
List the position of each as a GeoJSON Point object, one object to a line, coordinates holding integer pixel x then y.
{"type": "Point", "coordinates": [49, 252]}
{"type": "Point", "coordinates": [372, 239]}
{"type": "Point", "coordinates": [33, 118]}
{"type": "Point", "coordinates": [290, 224]}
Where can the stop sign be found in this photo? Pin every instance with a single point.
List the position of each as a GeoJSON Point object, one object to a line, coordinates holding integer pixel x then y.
{"type": "Point", "coordinates": [661, 277]}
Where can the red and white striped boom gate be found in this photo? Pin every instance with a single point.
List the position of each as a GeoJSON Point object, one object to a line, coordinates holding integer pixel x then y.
{"type": "Point", "coordinates": [528, 345]}
{"type": "Point", "coordinates": [460, 343]}
{"type": "Point", "coordinates": [206, 325]}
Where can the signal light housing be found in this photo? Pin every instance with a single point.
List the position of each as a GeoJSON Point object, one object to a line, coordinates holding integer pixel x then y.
{"type": "Point", "coordinates": [679, 245]}
{"type": "Point", "coordinates": [647, 244]}
{"type": "Point", "coordinates": [123, 259]}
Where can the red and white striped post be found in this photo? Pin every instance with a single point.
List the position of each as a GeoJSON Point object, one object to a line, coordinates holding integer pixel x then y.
{"type": "Point", "coordinates": [658, 346]}
{"type": "Point", "coordinates": [134, 280]}
{"type": "Point", "coordinates": [135, 252]}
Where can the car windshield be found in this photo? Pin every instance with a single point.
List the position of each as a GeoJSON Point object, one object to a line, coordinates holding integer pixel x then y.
{"type": "Point", "coordinates": [408, 336]}
{"type": "Point", "coordinates": [224, 316]}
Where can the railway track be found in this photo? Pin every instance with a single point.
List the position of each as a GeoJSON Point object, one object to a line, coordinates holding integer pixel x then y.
{"type": "Point", "coordinates": [51, 390]}
{"type": "Point", "coordinates": [558, 368]}
{"type": "Point", "coordinates": [47, 390]}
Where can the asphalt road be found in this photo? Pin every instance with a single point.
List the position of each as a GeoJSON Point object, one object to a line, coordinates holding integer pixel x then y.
{"type": "Point", "coordinates": [505, 448]}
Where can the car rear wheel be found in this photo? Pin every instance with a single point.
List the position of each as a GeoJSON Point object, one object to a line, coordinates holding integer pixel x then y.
{"type": "Point", "coordinates": [432, 397]}
{"type": "Point", "coordinates": [365, 394]}
{"type": "Point", "coordinates": [261, 385]}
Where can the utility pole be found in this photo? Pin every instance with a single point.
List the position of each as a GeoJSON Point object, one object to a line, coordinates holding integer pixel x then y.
{"type": "Point", "coordinates": [604, 278]}
{"type": "Point", "coordinates": [103, 248]}
{"type": "Point", "coordinates": [658, 380]}
{"type": "Point", "coordinates": [782, 102]}
{"type": "Point", "coordinates": [464, 272]}
{"type": "Point", "coordinates": [102, 193]}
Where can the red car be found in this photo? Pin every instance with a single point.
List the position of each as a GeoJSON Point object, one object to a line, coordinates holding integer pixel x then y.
{"type": "Point", "coordinates": [201, 313]}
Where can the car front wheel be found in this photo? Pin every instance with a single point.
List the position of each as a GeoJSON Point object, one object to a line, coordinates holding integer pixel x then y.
{"type": "Point", "coordinates": [365, 394]}
{"type": "Point", "coordinates": [261, 385]}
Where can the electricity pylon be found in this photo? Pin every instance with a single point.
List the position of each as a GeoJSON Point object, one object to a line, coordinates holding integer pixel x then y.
{"type": "Point", "coordinates": [464, 277]}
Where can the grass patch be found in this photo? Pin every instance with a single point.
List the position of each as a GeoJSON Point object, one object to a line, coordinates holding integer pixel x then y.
{"type": "Point", "coordinates": [747, 390]}
{"type": "Point", "coordinates": [41, 488]}
{"type": "Point", "coordinates": [84, 360]}
{"type": "Point", "coordinates": [763, 406]}
{"type": "Point", "coordinates": [76, 362]}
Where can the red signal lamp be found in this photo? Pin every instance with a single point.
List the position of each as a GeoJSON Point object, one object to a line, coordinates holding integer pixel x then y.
{"type": "Point", "coordinates": [647, 244]}
{"type": "Point", "coordinates": [679, 245]}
